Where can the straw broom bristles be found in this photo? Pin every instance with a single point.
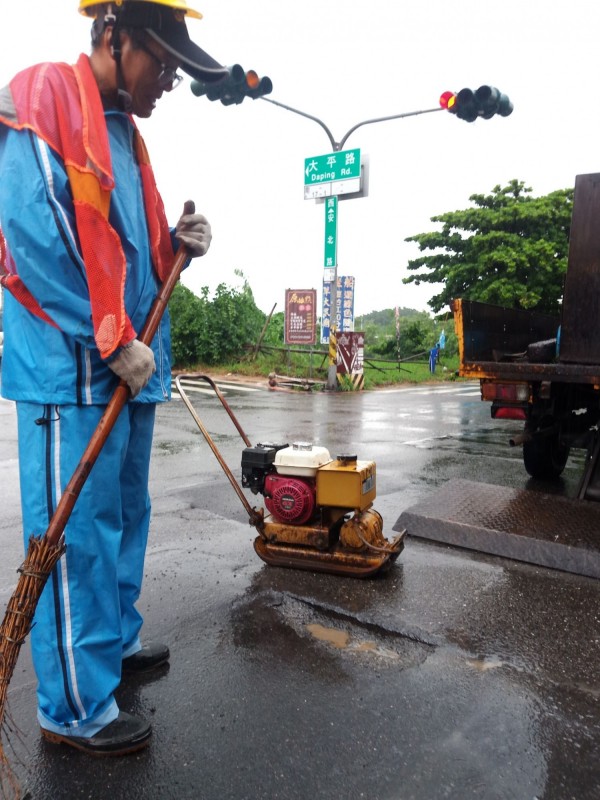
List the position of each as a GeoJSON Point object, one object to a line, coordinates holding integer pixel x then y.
{"type": "Point", "coordinates": [39, 562]}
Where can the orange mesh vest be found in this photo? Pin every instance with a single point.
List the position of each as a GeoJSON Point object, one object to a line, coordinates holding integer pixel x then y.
{"type": "Point", "coordinates": [62, 105]}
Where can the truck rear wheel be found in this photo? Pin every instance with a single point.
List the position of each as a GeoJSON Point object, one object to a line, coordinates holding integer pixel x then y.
{"type": "Point", "coordinates": [545, 457]}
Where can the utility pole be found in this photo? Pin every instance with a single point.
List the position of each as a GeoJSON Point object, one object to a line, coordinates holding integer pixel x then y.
{"type": "Point", "coordinates": [337, 147]}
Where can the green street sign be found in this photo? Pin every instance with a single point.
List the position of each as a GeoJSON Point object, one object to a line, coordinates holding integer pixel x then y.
{"type": "Point", "coordinates": [331, 232]}
{"type": "Point", "coordinates": [332, 174]}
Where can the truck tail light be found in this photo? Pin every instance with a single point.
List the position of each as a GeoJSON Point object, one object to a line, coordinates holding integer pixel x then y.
{"type": "Point", "coordinates": [505, 392]}
{"type": "Point", "coordinates": [508, 412]}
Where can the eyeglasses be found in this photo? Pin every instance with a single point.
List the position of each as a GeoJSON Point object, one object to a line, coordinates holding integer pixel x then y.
{"type": "Point", "coordinates": [168, 78]}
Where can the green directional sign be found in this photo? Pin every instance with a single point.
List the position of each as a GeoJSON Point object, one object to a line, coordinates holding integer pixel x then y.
{"type": "Point", "coordinates": [331, 232]}
{"type": "Point", "coordinates": [332, 167]}
{"type": "Point", "coordinates": [332, 174]}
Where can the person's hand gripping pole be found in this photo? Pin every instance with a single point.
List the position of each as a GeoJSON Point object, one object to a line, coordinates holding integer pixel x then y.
{"type": "Point", "coordinates": [193, 230]}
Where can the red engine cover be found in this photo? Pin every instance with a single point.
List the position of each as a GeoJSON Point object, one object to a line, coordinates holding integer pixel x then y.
{"type": "Point", "coordinates": [289, 499]}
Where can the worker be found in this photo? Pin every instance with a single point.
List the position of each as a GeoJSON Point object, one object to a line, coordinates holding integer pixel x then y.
{"type": "Point", "coordinates": [84, 245]}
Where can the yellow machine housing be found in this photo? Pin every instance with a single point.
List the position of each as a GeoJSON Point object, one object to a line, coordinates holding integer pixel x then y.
{"type": "Point", "coordinates": [346, 483]}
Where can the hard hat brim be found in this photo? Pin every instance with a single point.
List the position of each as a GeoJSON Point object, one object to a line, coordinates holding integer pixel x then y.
{"type": "Point", "coordinates": [173, 35]}
{"type": "Point", "coordinates": [167, 26]}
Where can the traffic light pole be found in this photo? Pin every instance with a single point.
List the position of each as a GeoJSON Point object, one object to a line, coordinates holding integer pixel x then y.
{"type": "Point", "coordinates": [236, 84]}
{"type": "Point", "coordinates": [337, 146]}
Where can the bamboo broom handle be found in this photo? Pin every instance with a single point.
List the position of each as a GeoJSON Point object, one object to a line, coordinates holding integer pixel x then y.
{"type": "Point", "coordinates": [113, 409]}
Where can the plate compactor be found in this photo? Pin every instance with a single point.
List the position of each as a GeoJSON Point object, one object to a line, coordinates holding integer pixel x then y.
{"type": "Point", "coordinates": [319, 510]}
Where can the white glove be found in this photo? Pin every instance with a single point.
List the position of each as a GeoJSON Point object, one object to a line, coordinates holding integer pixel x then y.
{"type": "Point", "coordinates": [134, 364]}
{"type": "Point", "coordinates": [193, 230]}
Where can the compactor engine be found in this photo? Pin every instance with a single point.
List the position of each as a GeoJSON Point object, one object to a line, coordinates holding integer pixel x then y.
{"type": "Point", "coordinates": [314, 500]}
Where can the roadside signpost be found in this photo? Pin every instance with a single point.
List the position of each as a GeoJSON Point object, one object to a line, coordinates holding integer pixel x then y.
{"type": "Point", "coordinates": [325, 178]}
{"type": "Point", "coordinates": [300, 320]}
{"type": "Point", "coordinates": [343, 319]}
{"type": "Point", "coordinates": [351, 358]}
{"type": "Point", "coordinates": [341, 174]}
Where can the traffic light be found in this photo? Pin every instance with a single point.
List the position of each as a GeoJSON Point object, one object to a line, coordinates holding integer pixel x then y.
{"type": "Point", "coordinates": [491, 101]}
{"type": "Point", "coordinates": [234, 87]}
{"type": "Point", "coordinates": [484, 102]}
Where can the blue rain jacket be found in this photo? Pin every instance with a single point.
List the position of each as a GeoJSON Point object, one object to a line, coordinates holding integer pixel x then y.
{"type": "Point", "coordinates": [43, 364]}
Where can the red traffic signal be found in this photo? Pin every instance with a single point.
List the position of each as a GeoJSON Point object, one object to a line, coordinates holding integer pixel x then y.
{"type": "Point", "coordinates": [485, 102]}
{"type": "Point", "coordinates": [448, 101]}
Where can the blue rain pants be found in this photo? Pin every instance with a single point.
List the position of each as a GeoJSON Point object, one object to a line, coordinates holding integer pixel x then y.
{"type": "Point", "coordinates": [86, 621]}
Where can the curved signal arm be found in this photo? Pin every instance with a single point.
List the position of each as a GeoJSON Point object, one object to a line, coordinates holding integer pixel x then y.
{"type": "Point", "coordinates": [336, 146]}
{"type": "Point", "coordinates": [308, 116]}
{"type": "Point", "coordinates": [384, 119]}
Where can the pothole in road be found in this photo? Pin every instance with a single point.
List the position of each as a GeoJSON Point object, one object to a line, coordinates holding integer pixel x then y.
{"type": "Point", "coordinates": [337, 631]}
{"type": "Point", "coordinates": [343, 640]}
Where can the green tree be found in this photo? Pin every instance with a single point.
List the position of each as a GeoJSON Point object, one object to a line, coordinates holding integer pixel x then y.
{"type": "Point", "coordinates": [187, 318]}
{"type": "Point", "coordinates": [510, 249]}
{"type": "Point", "coordinates": [275, 334]}
{"type": "Point", "coordinates": [213, 331]}
{"type": "Point", "coordinates": [232, 322]}
{"type": "Point", "coordinates": [415, 338]}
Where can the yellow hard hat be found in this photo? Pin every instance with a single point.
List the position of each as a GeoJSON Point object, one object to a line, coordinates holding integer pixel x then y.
{"type": "Point", "coordinates": [88, 7]}
{"type": "Point", "coordinates": [162, 20]}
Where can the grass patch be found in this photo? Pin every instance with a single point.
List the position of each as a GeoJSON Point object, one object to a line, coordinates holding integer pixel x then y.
{"type": "Point", "coordinates": [377, 373]}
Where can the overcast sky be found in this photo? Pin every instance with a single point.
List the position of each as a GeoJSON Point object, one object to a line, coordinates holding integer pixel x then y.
{"type": "Point", "coordinates": [346, 61]}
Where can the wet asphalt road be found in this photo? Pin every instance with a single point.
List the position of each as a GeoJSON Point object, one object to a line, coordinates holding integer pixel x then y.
{"type": "Point", "coordinates": [455, 675]}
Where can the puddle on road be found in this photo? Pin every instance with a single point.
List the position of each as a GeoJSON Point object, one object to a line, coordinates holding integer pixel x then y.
{"type": "Point", "coordinates": [484, 664]}
{"type": "Point", "coordinates": [342, 640]}
{"type": "Point", "coordinates": [332, 636]}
